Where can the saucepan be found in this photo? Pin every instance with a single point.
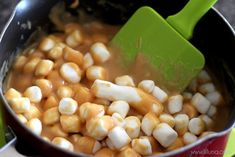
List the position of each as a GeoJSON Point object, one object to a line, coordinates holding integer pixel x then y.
{"type": "Point", "coordinates": [213, 36]}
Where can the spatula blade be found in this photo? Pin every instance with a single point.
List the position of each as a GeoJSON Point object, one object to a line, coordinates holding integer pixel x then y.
{"type": "Point", "coordinates": [175, 59]}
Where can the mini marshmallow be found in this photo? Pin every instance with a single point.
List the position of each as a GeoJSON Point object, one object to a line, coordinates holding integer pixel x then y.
{"type": "Point", "coordinates": [20, 105]}
{"type": "Point", "coordinates": [50, 102]}
{"type": "Point", "coordinates": [175, 104]}
{"type": "Point", "coordinates": [82, 95]}
{"type": "Point", "coordinates": [88, 61]}
{"type": "Point", "coordinates": [136, 98]}
{"type": "Point", "coordinates": [96, 72]}
{"type": "Point", "coordinates": [88, 145]}
{"type": "Point", "coordinates": [71, 72]}
{"type": "Point", "coordinates": [207, 120]}
{"type": "Point", "coordinates": [74, 38]}
{"type": "Point", "coordinates": [164, 134]}
{"type": "Point", "coordinates": [159, 94]}
{"type": "Point", "coordinates": [125, 80]}
{"type": "Point", "coordinates": [20, 62]}
{"type": "Point", "coordinates": [212, 111]}
{"type": "Point", "coordinates": [189, 138]}
{"type": "Point", "coordinates": [35, 126]}
{"type": "Point", "coordinates": [22, 118]}
{"type": "Point", "coordinates": [72, 55]}
{"type": "Point", "coordinates": [200, 103]}
{"type": "Point", "coordinates": [203, 77]}
{"type": "Point", "coordinates": [30, 66]}
{"type": "Point", "coordinates": [167, 118]}
{"type": "Point", "coordinates": [70, 124]}
{"type": "Point", "coordinates": [32, 113]}
{"type": "Point", "coordinates": [90, 110]}
{"type": "Point", "coordinates": [142, 146]}
{"type": "Point", "coordinates": [67, 106]}
{"type": "Point", "coordinates": [118, 120]}
{"type": "Point", "coordinates": [119, 137]}
{"type": "Point", "coordinates": [12, 93]}
{"type": "Point", "coordinates": [45, 86]}
{"type": "Point", "coordinates": [132, 126]}
{"type": "Point", "coordinates": [44, 67]}
{"type": "Point", "coordinates": [62, 143]}
{"type": "Point", "coordinates": [99, 52]}
{"type": "Point", "coordinates": [147, 86]}
{"type": "Point", "coordinates": [206, 88]}
{"type": "Point", "coordinates": [64, 92]}
{"type": "Point", "coordinates": [149, 122]}
{"type": "Point", "coordinates": [181, 123]}
{"type": "Point", "coordinates": [214, 97]}
{"type": "Point", "coordinates": [46, 44]}
{"type": "Point", "coordinates": [120, 107]}
{"type": "Point", "coordinates": [55, 53]}
{"type": "Point", "coordinates": [34, 94]}
{"type": "Point", "coordinates": [99, 127]}
{"type": "Point", "coordinates": [51, 116]}
{"type": "Point", "coordinates": [196, 126]}
{"type": "Point", "coordinates": [190, 110]}
{"type": "Point", "coordinates": [56, 130]}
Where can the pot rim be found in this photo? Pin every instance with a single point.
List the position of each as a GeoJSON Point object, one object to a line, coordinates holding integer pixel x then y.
{"type": "Point", "coordinates": [171, 153]}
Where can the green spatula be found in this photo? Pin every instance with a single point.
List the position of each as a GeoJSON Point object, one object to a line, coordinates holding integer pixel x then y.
{"type": "Point", "coordinates": [164, 43]}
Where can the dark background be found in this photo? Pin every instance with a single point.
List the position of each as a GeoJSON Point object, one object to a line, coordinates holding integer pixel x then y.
{"type": "Point", "coordinates": [226, 7]}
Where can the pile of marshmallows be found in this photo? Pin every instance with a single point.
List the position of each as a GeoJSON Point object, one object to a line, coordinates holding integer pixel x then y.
{"type": "Point", "coordinates": [129, 117]}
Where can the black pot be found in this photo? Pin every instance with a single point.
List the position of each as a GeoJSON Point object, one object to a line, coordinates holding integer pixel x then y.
{"type": "Point", "coordinates": [213, 36]}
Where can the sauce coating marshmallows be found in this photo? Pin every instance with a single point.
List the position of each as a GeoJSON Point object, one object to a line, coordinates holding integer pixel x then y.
{"type": "Point", "coordinates": [62, 90]}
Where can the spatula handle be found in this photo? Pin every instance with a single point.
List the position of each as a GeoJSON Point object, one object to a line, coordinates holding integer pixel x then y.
{"type": "Point", "coordinates": [185, 20]}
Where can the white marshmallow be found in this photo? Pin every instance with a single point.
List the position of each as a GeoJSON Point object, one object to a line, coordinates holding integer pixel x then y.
{"type": "Point", "coordinates": [99, 127]}
{"type": "Point", "coordinates": [63, 143]}
{"type": "Point", "coordinates": [206, 88]}
{"type": "Point", "coordinates": [147, 86]}
{"type": "Point", "coordinates": [214, 97]}
{"type": "Point", "coordinates": [96, 72]}
{"type": "Point", "coordinates": [142, 146]}
{"type": "Point", "coordinates": [196, 126]}
{"type": "Point", "coordinates": [67, 106]}
{"type": "Point", "coordinates": [20, 105]}
{"type": "Point", "coordinates": [212, 111]}
{"type": "Point", "coordinates": [175, 104]}
{"type": "Point", "coordinates": [119, 137]}
{"type": "Point", "coordinates": [118, 120]}
{"type": "Point", "coordinates": [125, 80]}
{"type": "Point", "coordinates": [46, 44]}
{"type": "Point", "coordinates": [120, 107]}
{"type": "Point", "coordinates": [109, 144]}
{"type": "Point", "coordinates": [132, 126]}
{"type": "Point", "coordinates": [200, 103]}
{"type": "Point", "coordinates": [164, 134]}
{"type": "Point", "coordinates": [159, 94]}
{"type": "Point", "coordinates": [88, 61]}
{"type": "Point", "coordinates": [207, 120]}
{"type": "Point", "coordinates": [203, 77]}
{"type": "Point", "coordinates": [181, 123]}
{"type": "Point", "coordinates": [34, 94]}
{"type": "Point", "coordinates": [74, 38]}
{"type": "Point", "coordinates": [71, 72]}
{"type": "Point", "coordinates": [35, 126]}
{"type": "Point", "coordinates": [189, 138]}
{"type": "Point", "coordinates": [167, 118]}
{"type": "Point", "coordinates": [44, 67]}
{"type": "Point", "coordinates": [90, 110]}
{"type": "Point", "coordinates": [99, 52]}
{"type": "Point", "coordinates": [149, 122]}
{"type": "Point", "coordinates": [12, 93]}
